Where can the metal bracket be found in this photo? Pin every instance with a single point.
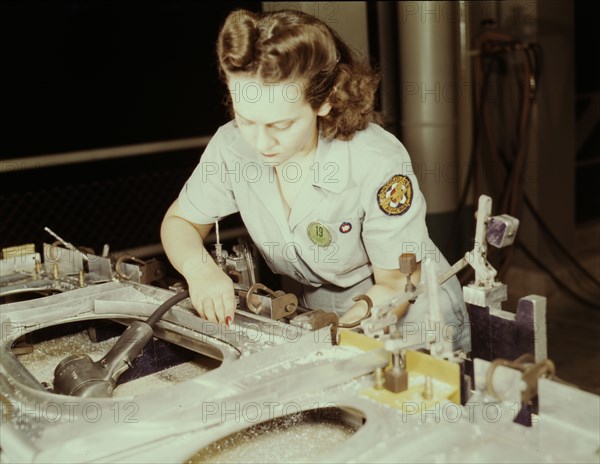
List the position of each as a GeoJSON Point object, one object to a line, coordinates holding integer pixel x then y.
{"type": "Point", "coordinates": [275, 305]}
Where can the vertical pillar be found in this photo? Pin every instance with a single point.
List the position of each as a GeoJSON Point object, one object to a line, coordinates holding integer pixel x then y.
{"type": "Point", "coordinates": [429, 96]}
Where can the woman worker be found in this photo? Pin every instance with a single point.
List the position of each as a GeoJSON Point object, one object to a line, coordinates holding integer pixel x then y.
{"type": "Point", "coordinates": [327, 195]}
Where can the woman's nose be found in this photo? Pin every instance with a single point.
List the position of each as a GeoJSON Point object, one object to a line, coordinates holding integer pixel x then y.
{"type": "Point", "coordinates": [264, 140]}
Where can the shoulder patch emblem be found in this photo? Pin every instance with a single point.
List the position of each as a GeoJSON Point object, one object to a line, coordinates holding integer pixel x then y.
{"type": "Point", "coordinates": [395, 196]}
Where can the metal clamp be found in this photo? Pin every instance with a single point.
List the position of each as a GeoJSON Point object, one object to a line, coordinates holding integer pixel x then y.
{"type": "Point", "coordinates": [276, 305]}
{"type": "Point", "coordinates": [317, 319]}
{"type": "Point", "coordinates": [124, 260]}
{"type": "Point", "coordinates": [145, 272]}
{"type": "Point", "coordinates": [531, 372]}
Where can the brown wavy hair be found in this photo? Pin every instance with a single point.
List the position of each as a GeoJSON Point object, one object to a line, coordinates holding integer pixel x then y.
{"type": "Point", "coordinates": [295, 46]}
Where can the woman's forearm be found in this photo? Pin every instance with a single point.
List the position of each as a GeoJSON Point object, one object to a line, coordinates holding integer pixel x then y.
{"type": "Point", "coordinates": [183, 243]}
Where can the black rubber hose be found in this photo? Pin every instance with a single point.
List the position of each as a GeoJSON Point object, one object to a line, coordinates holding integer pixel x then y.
{"type": "Point", "coordinates": [163, 308]}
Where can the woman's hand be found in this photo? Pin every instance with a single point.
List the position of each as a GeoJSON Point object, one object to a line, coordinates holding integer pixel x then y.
{"type": "Point", "coordinates": [356, 313]}
{"type": "Point", "coordinates": [211, 292]}
{"type": "Point", "coordinates": [388, 284]}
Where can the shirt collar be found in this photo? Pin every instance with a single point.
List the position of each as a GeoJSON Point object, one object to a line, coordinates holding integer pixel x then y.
{"type": "Point", "coordinates": [330, 170]}
{"type": "Point", "coordinates": [331, 167]}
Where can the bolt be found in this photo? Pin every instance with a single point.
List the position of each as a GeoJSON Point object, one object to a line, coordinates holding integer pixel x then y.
{"type": "Point", "coordinates": [428, 389]}
{"type": "Point", "coordinates": [379, 379]}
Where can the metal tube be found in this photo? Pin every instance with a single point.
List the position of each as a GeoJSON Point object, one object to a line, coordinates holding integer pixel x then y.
{"type": "Point", "coordinates": [429, 97]}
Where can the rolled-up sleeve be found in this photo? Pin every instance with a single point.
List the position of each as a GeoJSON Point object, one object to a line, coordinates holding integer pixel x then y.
{"type": "Point", "coordinates": [207, 196]}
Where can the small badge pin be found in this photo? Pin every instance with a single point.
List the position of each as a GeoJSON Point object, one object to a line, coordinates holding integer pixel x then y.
{"type": "Point", "coordinates": [319, 234]}
{"type": "Point", "coordinates": [345, 227]}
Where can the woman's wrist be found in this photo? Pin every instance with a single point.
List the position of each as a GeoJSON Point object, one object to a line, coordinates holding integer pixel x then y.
{"type": "Point", "coordinates": [198, 264]}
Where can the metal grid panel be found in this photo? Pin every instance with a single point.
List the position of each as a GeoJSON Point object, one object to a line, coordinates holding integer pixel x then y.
{"type": "Point", "coordinates": [121, 202]}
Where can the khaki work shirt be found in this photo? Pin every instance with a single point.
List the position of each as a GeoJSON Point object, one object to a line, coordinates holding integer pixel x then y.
{"type": "Point", "coordinates": [360, 206]}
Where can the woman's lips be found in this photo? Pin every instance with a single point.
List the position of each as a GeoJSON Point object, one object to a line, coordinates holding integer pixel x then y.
{"type": "Point", "coordinates": [269, 155]}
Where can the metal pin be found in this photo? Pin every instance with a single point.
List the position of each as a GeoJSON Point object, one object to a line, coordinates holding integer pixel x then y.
{"type": "Point", "coordinates": [38, 267]}
{"type": "Point", "coordinates": [428, 390]}
{"type": "Point", "coordinates": [55, 235]}
{"type": "Point", "coordinates": [65, 243]}
{"type": "Point", "coordinates": [379, 379]}
{"type": "Point", "coordinates": [218, 247]}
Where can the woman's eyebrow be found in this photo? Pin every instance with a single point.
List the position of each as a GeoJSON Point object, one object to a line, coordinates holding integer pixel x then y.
{"type": "Point", "coordinates": [268, 124]}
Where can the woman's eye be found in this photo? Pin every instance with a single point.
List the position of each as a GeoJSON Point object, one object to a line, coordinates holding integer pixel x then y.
{"type": "Point", "coordinates": [283, 126]}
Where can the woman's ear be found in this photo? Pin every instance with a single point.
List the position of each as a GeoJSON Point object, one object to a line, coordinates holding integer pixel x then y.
{"type": "Point", "coordinates": [324, 109]}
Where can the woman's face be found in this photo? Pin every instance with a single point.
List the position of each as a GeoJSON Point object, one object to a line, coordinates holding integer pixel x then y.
{"type": "Point", "coordinates": [275, 119]}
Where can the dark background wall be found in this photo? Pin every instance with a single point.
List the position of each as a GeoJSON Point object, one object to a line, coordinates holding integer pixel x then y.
{"type": "Point", "coordinates": [90, 74]}
{"type": "Point", "coordinates": [587, 85]}
{"type": "Point", "coordinates": [81, 75]}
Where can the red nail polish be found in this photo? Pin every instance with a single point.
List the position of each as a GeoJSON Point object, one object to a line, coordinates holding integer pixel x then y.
{"type": "Point", "coordinates": [227, 321]}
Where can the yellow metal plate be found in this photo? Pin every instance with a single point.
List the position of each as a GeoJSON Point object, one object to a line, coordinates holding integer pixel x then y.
{"type": "Point", "coordinates": [445, 371]}
{"type": "Point", "coordinates": [445, 377]}
{"type": "Point", "coordinates": [360, 341]}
